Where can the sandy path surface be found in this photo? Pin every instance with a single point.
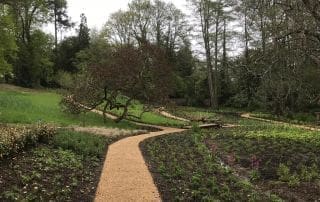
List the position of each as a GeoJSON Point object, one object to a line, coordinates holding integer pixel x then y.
{"type": "Point", "coordinates": [248, 116]}
{"type": "Point", "coordinates": [169, 115]}
{"type": "Point", "coordinates": [108, 132]}
{"type": "Point", "coordinates": [125, 175]}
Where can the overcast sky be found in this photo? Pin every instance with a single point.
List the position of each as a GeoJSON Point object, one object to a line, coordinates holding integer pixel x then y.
{"type": "Point", "coordinates": [98, 11]}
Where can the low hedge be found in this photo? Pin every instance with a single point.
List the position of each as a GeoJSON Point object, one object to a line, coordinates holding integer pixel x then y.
{"type": "Point", "coordinates": [15, 138]}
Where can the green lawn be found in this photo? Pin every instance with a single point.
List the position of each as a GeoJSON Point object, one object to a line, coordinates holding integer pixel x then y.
{"type": "Point", "coordinates": [148, 117]}
{"type": "Point", "coordinates": [32, 107]}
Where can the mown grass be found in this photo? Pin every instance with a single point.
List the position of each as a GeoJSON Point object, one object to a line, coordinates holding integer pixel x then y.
{"type": "Point", "coordinates": [43, 107]}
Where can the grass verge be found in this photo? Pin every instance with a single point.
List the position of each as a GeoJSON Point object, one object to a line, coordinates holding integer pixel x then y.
{"type": "Point", "coordinates": [43, 107]}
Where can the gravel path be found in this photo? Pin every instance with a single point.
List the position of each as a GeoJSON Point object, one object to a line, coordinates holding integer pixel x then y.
{"type": "Point", "coordinates": [169, 115]}
{"type": "Point", "coordinates": [125, 175]}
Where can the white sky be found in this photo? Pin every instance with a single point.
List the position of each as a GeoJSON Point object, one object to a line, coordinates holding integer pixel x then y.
{"type": "Point", "coordinates": [98, 11]}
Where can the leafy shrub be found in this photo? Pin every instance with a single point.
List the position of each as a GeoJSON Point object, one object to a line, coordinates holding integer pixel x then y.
{"type": "Point", "coordinates": [285, 176]}
{"type": "Point", "coordinates": [14, 139]}
{"type": "Point", "coordinates": [309, 174]}
{"type": "Point", "coordinates": [64, 79]}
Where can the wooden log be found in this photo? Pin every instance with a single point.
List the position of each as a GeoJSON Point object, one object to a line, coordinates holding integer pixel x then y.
{"type": "Point", "coordinates": [210, 125]}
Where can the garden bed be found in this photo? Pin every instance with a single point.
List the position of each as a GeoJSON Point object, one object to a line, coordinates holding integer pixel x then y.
{"type": "Point", "coordinates": [256, 161]}
{"type": "Point", "coordinates": [66, 168]}
{"type": "Point", "coordinates": [184, 170]}
{"type": "Point", "coordinates": [278, 159]}
{"type": "Point", "coordinates": [308, 119]}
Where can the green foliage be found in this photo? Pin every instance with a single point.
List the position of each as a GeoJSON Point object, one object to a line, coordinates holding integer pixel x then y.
{"type": "Point", "coordinates": [45, 174]}
{"type": "Point", "coordinates": [193, 113]}
{"type": "Point", "coordinates": [42, 65]}
{"type": "Point", "coordinates": [295, 118]}
{"type": "Point", "coordinates": [84, 35]}
{"type": "Point", "coordinates": [285, 176]}
{"type": "Point", "coordinates": [7, 41]}
{"type": "Point", "coordinates": [34, 66]}
{"type": "Point", "coordinates": [67, 50]}
{"type": "Point", "coordinates": [81, 143]}
{"type": "Point", "coordinates": [190, 172]}
{"type": "Point", "coordinates": [273, 155]}
{"type": "Point", "coordinates": [64, 79]}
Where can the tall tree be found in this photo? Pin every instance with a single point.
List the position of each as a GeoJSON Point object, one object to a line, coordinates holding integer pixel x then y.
{"type": "Point", "coordinates": [119, 28]}
{"type": "Point", "coordinates": [204, 13]}
{"type": "Point", "coordinates": [84, 33]}
{"type": "Point", "coordinates": [7, 41]}
{"type": "Point", "coordinates": [60, 16]}
{"type": "Point", "coordinates": [71, 46]}
{"type": "Point", "coordinates": [141, 14]}
{"type": "Point", "coordinates": [29, 15]}
{"type": "Point", "coordinates": [127, 75]}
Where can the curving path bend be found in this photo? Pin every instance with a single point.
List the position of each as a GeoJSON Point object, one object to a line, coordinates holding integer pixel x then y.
{"type": "Point", "coordinates": [125, 175]}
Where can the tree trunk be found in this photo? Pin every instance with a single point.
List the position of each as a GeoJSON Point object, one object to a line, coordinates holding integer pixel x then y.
{"type": "Point", "coordinates": [204, 10]}
{"type": "Point", "coordinates": [216, 71]}
{"type": "Point", "coordinates": [55, 28]}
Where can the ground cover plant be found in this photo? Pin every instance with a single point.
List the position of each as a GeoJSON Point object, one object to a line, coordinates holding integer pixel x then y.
{"type": "Point", "coordinates": [196, 114]}
{"type": "Point", "coordinates": [193, 113]}
{"type": "Point", "coordinates": [184, 169]}
{"type": "Point", "coordinates": [295, 118]}
{"type": "Point", "coordinates": [27, 107]}
{"type": "Point", "coordinates": [279, 159]}
{"type": "Point", "coordinates": [66, 168]}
